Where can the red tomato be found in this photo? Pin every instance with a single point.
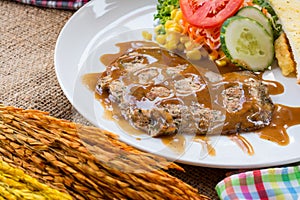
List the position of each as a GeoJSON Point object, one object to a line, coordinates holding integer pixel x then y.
{"type": "Point", "coordinates": [208, 13]}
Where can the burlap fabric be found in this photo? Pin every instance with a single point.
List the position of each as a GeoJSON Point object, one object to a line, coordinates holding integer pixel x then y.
{"type": "Point", "coordinates": [27, 77]}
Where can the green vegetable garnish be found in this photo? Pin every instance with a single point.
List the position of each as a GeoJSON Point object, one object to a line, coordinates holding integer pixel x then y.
{"type": "Point", "coordinates": [164, 9]}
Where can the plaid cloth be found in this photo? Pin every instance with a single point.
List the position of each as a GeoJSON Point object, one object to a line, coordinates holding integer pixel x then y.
{"type": "Point", "coordinates": [62, 4]}
{"type": "Point", "coordinates": [267, 184]}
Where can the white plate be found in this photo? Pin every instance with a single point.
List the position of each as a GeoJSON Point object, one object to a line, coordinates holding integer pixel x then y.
{"type": "Point", "coordinates": [96, 28]}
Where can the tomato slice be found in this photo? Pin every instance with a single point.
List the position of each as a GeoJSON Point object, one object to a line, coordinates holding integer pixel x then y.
{"type": "Point", "coordinates": [209, 13]}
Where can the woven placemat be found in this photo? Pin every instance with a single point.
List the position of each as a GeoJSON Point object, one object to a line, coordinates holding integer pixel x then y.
{"type": "Point", "coordinates": [27, 76]}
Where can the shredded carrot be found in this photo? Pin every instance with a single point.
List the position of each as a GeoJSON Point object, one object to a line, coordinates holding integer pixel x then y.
{"type": "Point", "coordinates": [185, 30]}
{"type": "Point", "coordinates": [199, 39]}
{"type": "Point", "coordinates": [193, 32]}
{"type": "Point", "coordinates": [202, 36]}
{"type": "Point", "coordinates": [264, 11]}
{"type": "Point", "coordinates": [250, 3]}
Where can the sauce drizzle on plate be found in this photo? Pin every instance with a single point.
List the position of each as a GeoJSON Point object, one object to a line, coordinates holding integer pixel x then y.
{"type": "Point", "coordinates": [243, 143]}
{"type": "Point", "coordinates": [283, 118]}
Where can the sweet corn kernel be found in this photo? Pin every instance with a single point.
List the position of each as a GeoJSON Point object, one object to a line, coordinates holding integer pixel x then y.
{"type": "Point", "coordinates": [157, 28]}
{"type": "Point", "coordinates": [171, 45]}
{"type": "Point", "coordinates": [184, 39]}
{"type": "Point", "coordinates": [173, 13]}
{"type": "Point", "coordinates": [194, 54]}
{"type": "Point", "coordinates": [146, 35]}
{"type": "Point", "coordinates": [178, 16]}
{"type": "Point", "coordinates": [169, 23]}
{"type": "Point", "coordinates": [189, 45]}
{"type": "Point", "coordinates": [173, 36]}
{"type": "Point", "coordinates": [221, 63]}
{"type": "Point", "coordinates": [161, 39]}
{"type": "Point", "coordinates": [175, 28]}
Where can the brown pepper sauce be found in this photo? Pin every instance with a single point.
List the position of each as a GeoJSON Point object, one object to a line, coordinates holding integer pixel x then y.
{"type": "Point", "coordinates": [283, 116]}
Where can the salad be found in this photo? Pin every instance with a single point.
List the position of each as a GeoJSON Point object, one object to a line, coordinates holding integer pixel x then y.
{"type": "Point", "coordinates": [240, 32]}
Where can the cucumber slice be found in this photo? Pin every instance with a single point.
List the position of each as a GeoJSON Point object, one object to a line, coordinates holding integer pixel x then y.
{"type": "Point", "coordinates": [247, 43]}
{"type": "Point", "coordinates": [254, 13]}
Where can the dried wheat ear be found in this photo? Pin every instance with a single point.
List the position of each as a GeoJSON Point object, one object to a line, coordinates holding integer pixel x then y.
{"type": "Point", "coordinates": [85, 162]}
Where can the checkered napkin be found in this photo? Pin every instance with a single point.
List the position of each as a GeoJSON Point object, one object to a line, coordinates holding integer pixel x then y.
{"type": "Point", "coordinates": [62, 4]}
{"type": "Point", "coordinates": [267, 184]}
